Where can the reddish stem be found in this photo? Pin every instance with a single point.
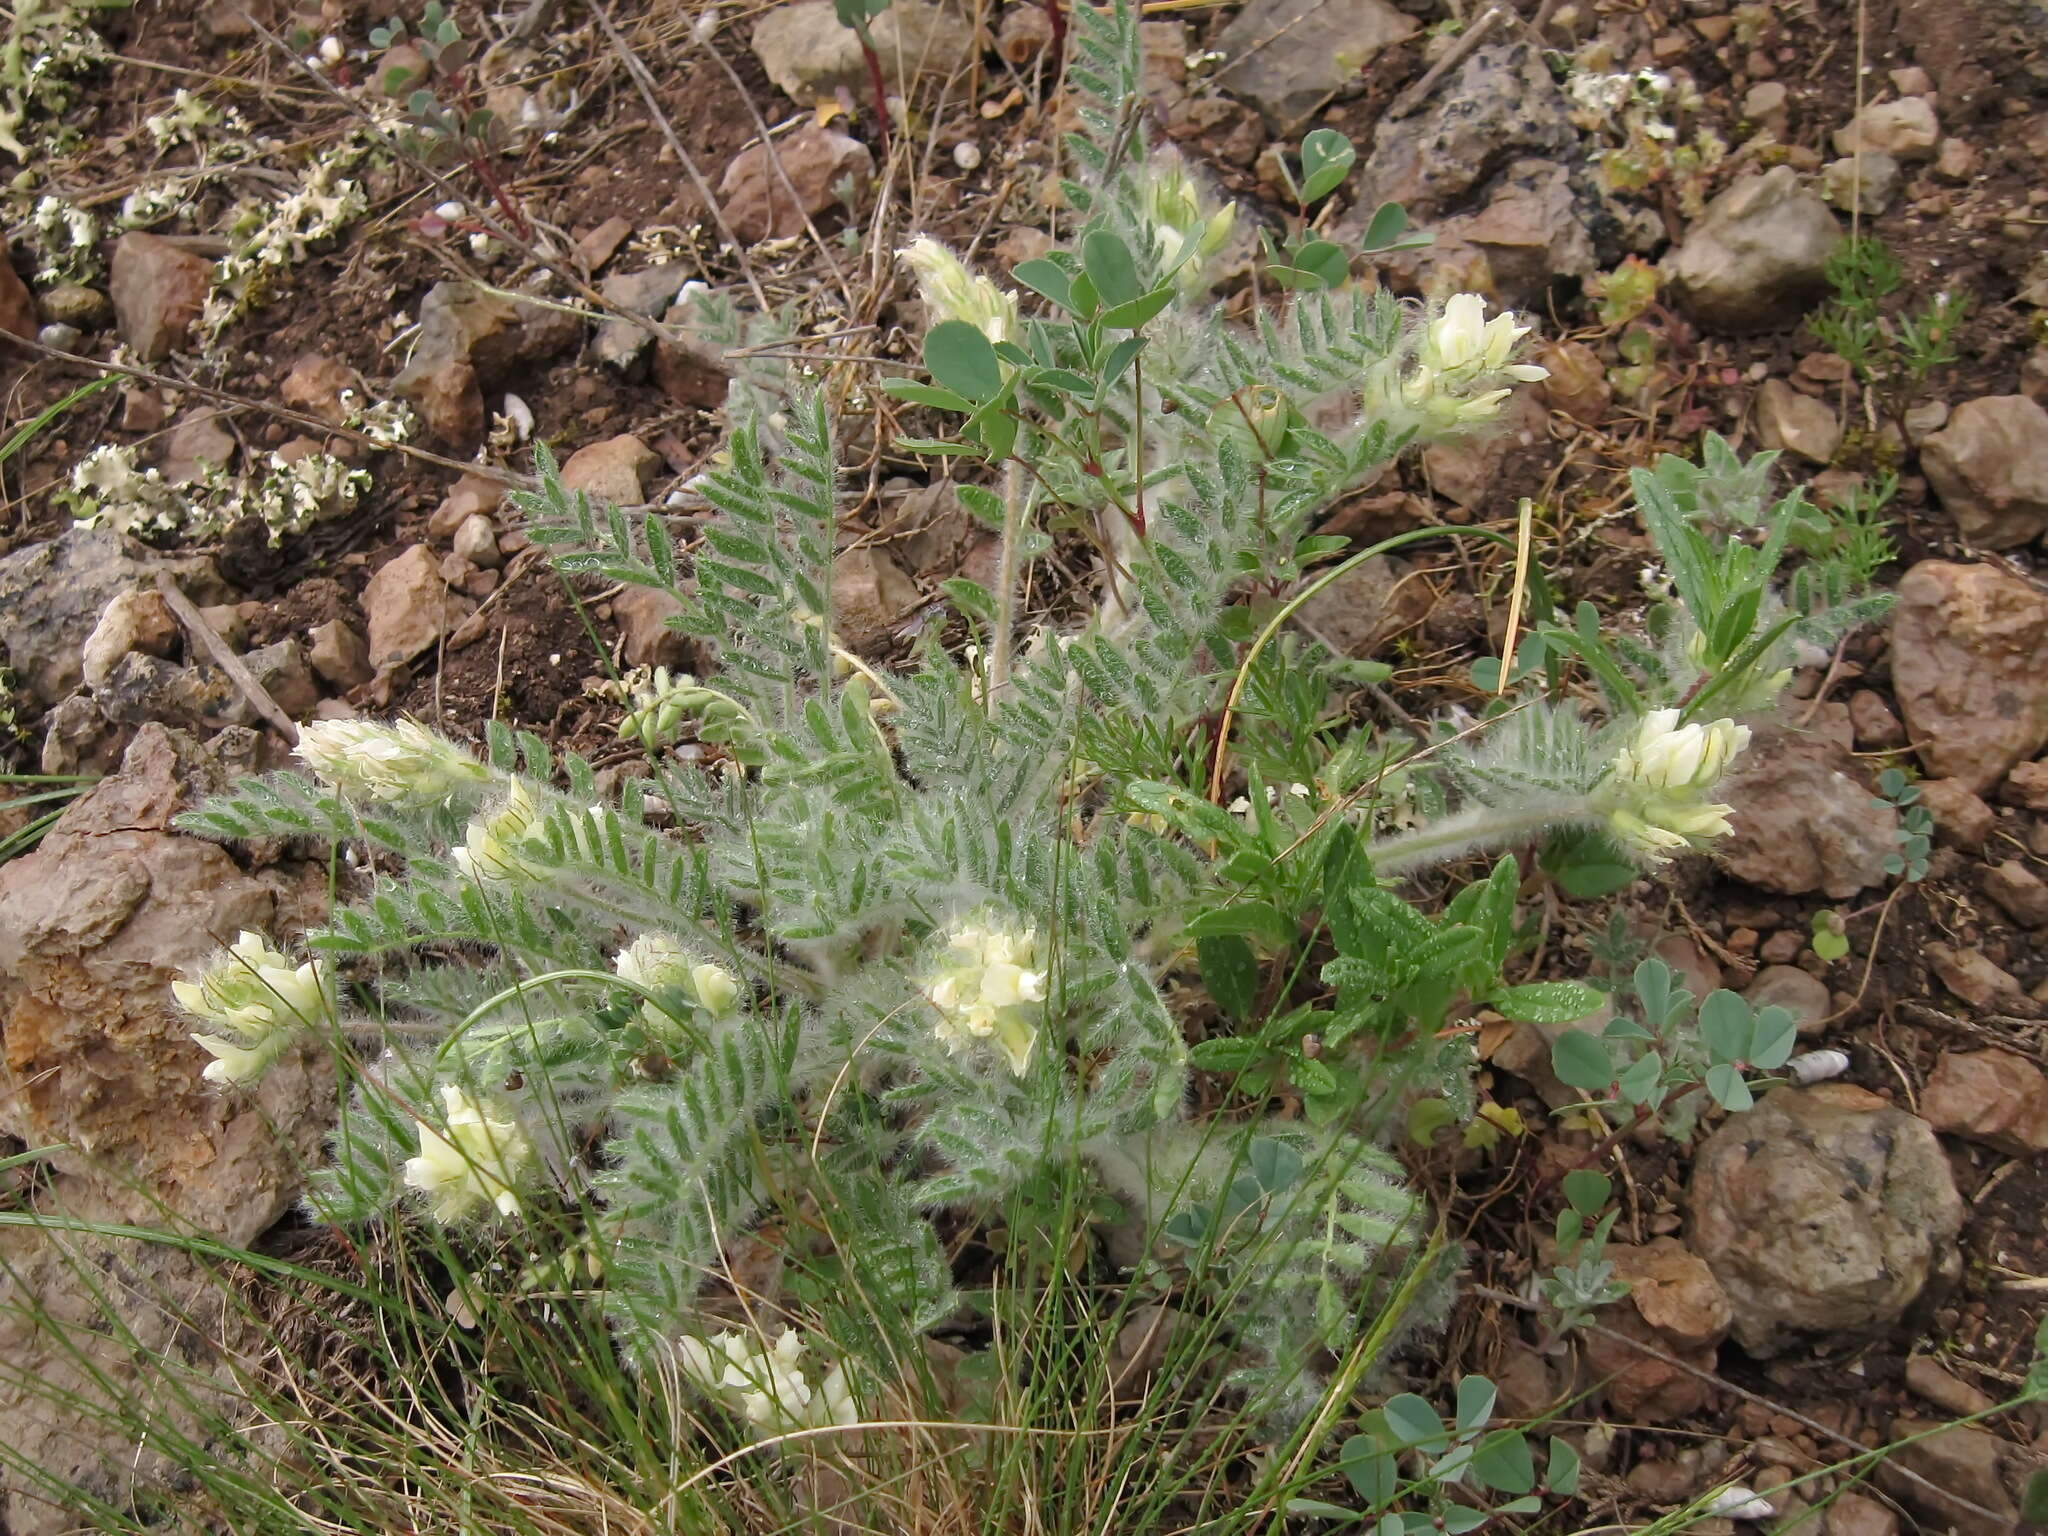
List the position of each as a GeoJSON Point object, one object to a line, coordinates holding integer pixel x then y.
{"type": "Point", "coordinates": [1058, 46]}
{"type": "Point", "coordinates": [881, 90]}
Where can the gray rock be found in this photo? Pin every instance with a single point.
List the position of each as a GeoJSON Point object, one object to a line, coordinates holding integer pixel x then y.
{"type": "Point", "coordinates": [1788, 420]}
{"type": "Point", "coordinates": [1531, 232]}
{"type": "Point", "coordinates": [477, 542]}
{"type": "Point", "coordinates": [1756, 259]}
{"type": "Point", "coordinates": [65, 338]}
{"type": "Point", "coordinates": [1825, 1211]}
{"type": "Point", "coordinates": [810, 55]}
{"type": "Point", "coordinates": [621, 345]}
{"type": "Point", "coordinates": [1287, 57]}
{"type": "Point", "coordinates": [76, 304]}
{"type": "Point", "coordinates": [1906, 128]}
{"type": "Point", "coordinates": [339, 654]}
{"type": "Point", "coordinates": [1499, 106]}
{"type": "Point", "coordinates": [1989, 466]}
{"type": "Point", "coordinates": [140, 688]}
{"type": "Point", "coordinates": [1865, 183]}
{"type": "Point", "coordinates": [94, 926]}
{"type": "Point", "coordinates": [469, 341]}
{"type": "Point", "coordinates": [1970, 669]}
{"type": "Point", "coordinates": [52, 595]}
{"type": "Point", "coordinates": [870, 597]}
{"type": "Point", "coordinates": [158, 289]}
{"type": "Point", "coordinates": [1805, 820]}
{"type": "Point", "coordinates": [1788, 987]}
{"type": "Point", "coordinates": [2020, 892]}
{"type": "Point", "coordinates": [280, 668]}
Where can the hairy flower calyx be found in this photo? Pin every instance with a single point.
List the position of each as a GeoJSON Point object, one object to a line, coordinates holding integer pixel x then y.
{"type": "Point", "coordinates": [1657, 786]}
{"type": "Point", "coordinates": [473, 1164]}
{"type": "Point", "coordinates": [257, 994]}
{"type": "Point", "coordinates": [399, 763]}
{"type": "Point", "coordinates": [764, 1383]}
{"type": "Point", "coordinates": [659, 962]}
{"type": "Point", "coordinates": [951, 292]}
{"type": "Point", "coordinates": [990, 986]}
{"type": "Point", "coordinates": [498, 844]}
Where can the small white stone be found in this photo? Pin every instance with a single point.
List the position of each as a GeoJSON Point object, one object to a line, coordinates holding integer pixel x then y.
{"type": "Point", "coordinates": [450, 210]}
{"type": "Point", "coordinates": [331, 51]}
{"type": "Point", "coordinates": [1816, 1066]}
{"type": "Point", "coordinates": [967, 155]}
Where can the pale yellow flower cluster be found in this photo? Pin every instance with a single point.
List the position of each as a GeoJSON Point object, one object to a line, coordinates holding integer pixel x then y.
{"type": "Point", "coordinates": [1462, 356]}
{"type": "Point", "coordinates": [1173, 211]}
{"type": "Point", "coordinates": [764, 1383]}
{"type": "Point", "coordinates": [990, 986]}
{"type": "Point", "coordinates": [1656, 789]}
{"type": "Point", "coordinates": [399, 763]}
{"type": "Point", "coordinates": [256, 993]}
{"type": "Point", "coordinates": [951, 292]}
{"type": "Point", "coordinates": [659, 962]}
{"type": "Point", "coordinates": [474, 1163]}
{"type": "Point", "coordinates": [498, 845]}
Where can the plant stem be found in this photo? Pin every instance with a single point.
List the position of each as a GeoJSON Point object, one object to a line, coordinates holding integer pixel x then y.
{"type": "Point", "coordinates": [880, 88]}
{"type": "Point", "coordinates": [1481, 827]}
{"type": "Point", "coordinates": [1006, 575]}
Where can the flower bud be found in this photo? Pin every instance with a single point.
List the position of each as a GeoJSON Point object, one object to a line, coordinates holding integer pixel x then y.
{"type": "Point", "coordinates": [951, 292]}
{"type": "Point", "coordinates": [498, 845]}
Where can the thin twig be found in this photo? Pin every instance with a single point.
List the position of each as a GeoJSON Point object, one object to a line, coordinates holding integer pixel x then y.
{"type": "Point", "coordinates": [644, 83]}
{"type": "Point", "coordinates": [196, 626]}
{"type": "Point", "coordinates": [1460, 51]}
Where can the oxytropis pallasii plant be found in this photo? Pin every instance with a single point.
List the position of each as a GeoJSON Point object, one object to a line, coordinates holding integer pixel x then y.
{"type": "Point", "coordinates": [894, 946]}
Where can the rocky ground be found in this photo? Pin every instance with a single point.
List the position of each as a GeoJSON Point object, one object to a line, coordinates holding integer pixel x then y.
{"type": "Point", "coordinates": [1850, 1261]}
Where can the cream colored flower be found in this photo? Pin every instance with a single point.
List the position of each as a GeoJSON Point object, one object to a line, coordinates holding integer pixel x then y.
{"type": "Point", "coordinates": [764, 1382]}
{"type": "Point", "coordinates": [1461, 354]}
{"type": "Point", "coordinates": [951, 292]}
{"type": "Point", "coordinates": [989, 987]}
{"type": "Point", "coordinates": [257, 994]}
{"type": "Point", "coordinates": [1657, 786]}
{"type": "Point", "coordinates": [400, 762]}
{"type": "Point", "coordinates": [498, 844]}
{"type": "Point", "coordinates": [1173, 211]}
{"type": "Point", "coordinates": [715, 988]}
{"type": "Point", "coordinates": [659, 962]}
{"type": "Point", "coordinates": [474, 1164]}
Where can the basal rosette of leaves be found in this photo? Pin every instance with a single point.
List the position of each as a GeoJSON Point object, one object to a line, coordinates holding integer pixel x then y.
{"type": "Point", "coordinates": [900, 940]}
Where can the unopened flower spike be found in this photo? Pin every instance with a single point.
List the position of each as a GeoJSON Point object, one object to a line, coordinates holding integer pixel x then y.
{"type": "Point", "coordinates": [399, 763]}
{"type": "Point", "coordinates": [473, 1164]}
{"type": "Point", "coordinates": [659, 962]}
{"type": "Point", "coordinates": [499, 844]}
{"type": "Point", "coordinates": [951, 292]}
{"type": "Point", "coordinates": [990, 986]}
{"type": "Point", "coordinates": [260, 999]}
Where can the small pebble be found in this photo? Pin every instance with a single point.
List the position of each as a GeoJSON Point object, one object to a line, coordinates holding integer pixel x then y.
{"type": "Point", "coordinates": [65, 338]}
{"type": "Point", "coordinates": [967, 155]}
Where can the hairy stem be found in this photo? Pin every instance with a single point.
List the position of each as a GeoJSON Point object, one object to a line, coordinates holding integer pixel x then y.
{"type": "Point", "coordinates": [1469, 831]}
{"type": "Point", "coordinates": [1006, 576]}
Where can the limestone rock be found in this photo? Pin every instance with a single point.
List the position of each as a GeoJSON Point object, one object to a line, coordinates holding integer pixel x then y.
{"type": "Point", "coordinates": [1906, 129]}
{"type": "Point", "coordinates": [816, 161]}
{"type": "Point", "coordinates": [1989, 466]}
{"type": "Point", "coordinates": [1805, 820]}
{"type": "Point", "coordinates": [811, 57]}
{"type": "Point", "coordinates": [1989, 1096]}
{"type": "Point", "coordinates": [322, 386]}
{"type": "Point", "coordinates": [621, 345]}
{"type": "Point", "coordinates": [1798, 423]}
{"type": "Point", "coordinates": [471, 495]}
{"type": "Point", "coordinates": [616, 470]}
{"type": "Point", "coordinates": [94, 926]}
{"type": "Point", "coordinates": [1287, 57]}
{"type": "Point", "coordinates": [469, 341]}
{"type": "Point", "coordinates": [2027, 786]}
{"type": "Point", "coordinates": [281, 670]}
{"type": "Point", "coordinates": [1578, 381]}
{"type": "Point", "coordinates": [477, 542]}
{"type": "Point", "coordinates": [1970, 669]}
{"type": "Point", "coordinates": [1361, 612]}
{"type": "Point", "coordinates": [1529, 234]}
{"type": "Point", "coordinates": [137, 619]}
{"type": "Point", "coordinates": [1824, 1210]}
{"type": "Point", "coordinates": [1866, 183]}
{"type": "Point", "coordinates": [158, 289]}
{"type": "Point", "coordinates": [199, 443]}
{"type": "Point", "coordinates": [408, 607]}
{"type": "Point", "coordinates": [646, 639]}
{"type": "Point", "coordinates": [1978, 979]}
{"type": "Point", "coordinates": [1756, 258]}
{"type": "Point", "coordinates": [2019, 891]}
